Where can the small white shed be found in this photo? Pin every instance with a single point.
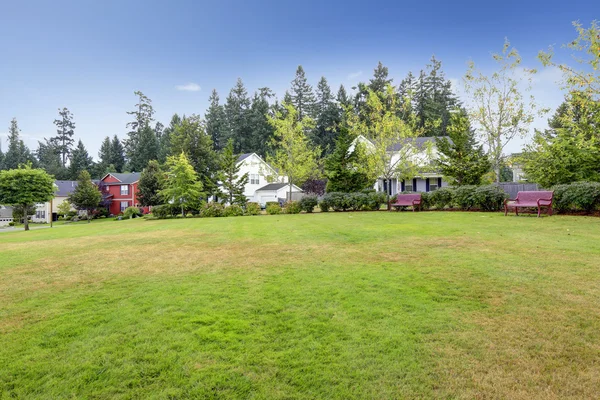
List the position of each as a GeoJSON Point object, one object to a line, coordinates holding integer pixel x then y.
{"type": "Point", "coordinates": [274, 192]}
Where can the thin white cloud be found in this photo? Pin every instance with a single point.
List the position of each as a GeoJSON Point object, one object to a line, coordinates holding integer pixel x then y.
{"type": "Point", "coordinates": [189, 87]}
{"type": "Point", "coordinates": [354, 75]}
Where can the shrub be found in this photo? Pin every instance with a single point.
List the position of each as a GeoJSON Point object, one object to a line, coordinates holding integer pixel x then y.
{"type": "Point", "coordinates": [252, 209]}
{"type": "Point", "coordinates": [162, 211]}
{"type": "Point", "coordinates": [464, 197]}
{"type": "Point", "coordinates": [584, 196]}
{"type": "Point", "coordinates": [273, 208]}
{"type": "Point", "coordinates": [308, 203]}
{"type": "Point", "coordinates": [489, 197]}
{"type": "Point", "coordinates": [441, 198]}
{"type": "Point", "coordinates": [425, 200]}
{"type": "Point", "coordinates": [292, 207]}
{"type": "Point", "coordinates": [11, 223]}
{"type": "Point", "coordinates": [132, 212]}
{"type": "Point", "coordinates": [212, 209]}
{"type": "Point", "coordinates": [189, 215]}
{"type": "Point", "coordinates": [375, 200]}
{"type": "Point", "coordinates": [338, 201]}
{"type": "Point", "coordinates": [324, 205]}
{"type": "Point", "coordinates": [233, 210]}
{"type": "Point", "coordinates": [71, 214]}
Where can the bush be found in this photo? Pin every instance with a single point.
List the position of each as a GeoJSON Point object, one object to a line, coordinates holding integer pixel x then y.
{"type": "Point", "coordinates": [71, 214]}
{"type": "Point", "coordinates": [308, 203]}
{"type": "Point", "coordinates": [233, 210]}
{"type": "Point", "coordinates": [11, 223]}
{"type": "Point", "coordinates": [162, 211]}
{"type": "Point", "coordinates": [132, 212]}
{"type": "Point", "coordinates": [212, 209]}
{"type": "Point", "coordinates": [324, 205]}
{"type": "Point", "coordinates": [578, 196]}
{"type": "Point", "coordinates": [252, 209]}
{"type": "Point", "coordinates": [273, 208]}
{"type": "Point", "coordinates": [464, 197]}
{"type": "Point", "coordinates": [425, 200]}
{"type": "Point", "coordinates": [441, 198]}
{"type": "Point", "coordinates": [189, 215]}
{"type": "Point", "coordinates": [375, 200]}
{"type": "Point", "coordinates": [292, 207]}
{"type": "Point", "coordinates": [489, 198]}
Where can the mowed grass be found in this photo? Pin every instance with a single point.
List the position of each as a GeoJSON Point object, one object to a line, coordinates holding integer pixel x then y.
{"type": "Point", "coordinates": [332, 306]}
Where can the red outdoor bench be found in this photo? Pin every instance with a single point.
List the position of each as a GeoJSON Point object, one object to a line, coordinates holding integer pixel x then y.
{"type": "Point", "coordinates": [407, 200]}
{"type": "Point", "coordinates": [530, 199]}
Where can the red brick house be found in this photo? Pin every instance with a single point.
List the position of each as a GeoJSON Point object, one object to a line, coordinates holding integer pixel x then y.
{"type": "Point", "coordinates": [120, 191]}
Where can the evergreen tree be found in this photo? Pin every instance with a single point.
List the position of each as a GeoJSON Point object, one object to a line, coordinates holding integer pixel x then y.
{"type": "Point", "coordinates": [150, 184]}
{"type": "Point", "coordinates": [49, 159]}
{"type": "Point", "coordinates": [261, 132]}
{"type": "Point", "coordinates": [65, 129]}
{"type": "Point", "coordinates": [328, 117]}
{"type": "Point", "coordinates": [1, 157]}
{"type": "Point", "coordinates": [216, 122]}
{"type": "Point", "coordinates": [165, 139]}
{"type": "Point", "coordinates": [380, 79]}
{"type": "Point", "coordinates": [236, 112]}
{"type": "Point", "coordinates": [461, 157]}
{"type": "Point", "coordinates": [232, 185]}
{"type": "Point", "coordinates": [117, 155]}
{"type": "Point", "coordinates": [86, 195]}
{"type": "Point", "coordinates": [80, 161]}
{"type": "Point", "coordinates": [342, 166]}
{"type": "Point", "coordinates": [191, 139]}
{"type": "Point", "coordinates": [137, 148]}
{"type": "Point", "coordinates": [105, 153]}
{"type": "Point", "coordinates": [342, 98]}
{"type": "Point", "coordinates": [17, 152]}
{"type": "Point", "coordinates": [302, 96]}
{"type": "Point", "coordinates": [181, 186]}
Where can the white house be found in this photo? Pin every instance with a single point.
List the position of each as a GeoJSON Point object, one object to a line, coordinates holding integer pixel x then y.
{"type": "Point", "coordinates": [423, 152]}
{"type": "Point", "coordinates": [264, 182]}
{"type": "Point", "coordinates": [46, 212]}
{"type": "Point", "coordinates": [6, 216]}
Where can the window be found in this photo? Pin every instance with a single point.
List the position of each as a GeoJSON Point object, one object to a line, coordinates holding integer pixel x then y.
{"type": "Point", "coordinates": [40, 214]}
{"type": "Point", "coordinates": [124, 189]}
{"type": "Point", "coordinates": [124, 205]}
{"type": "Point", "coordinates": [408, 186]}
{"type": "Point", "coordinates": [433, 184]}
{"type": "Point", "coordinates": [254, 179]}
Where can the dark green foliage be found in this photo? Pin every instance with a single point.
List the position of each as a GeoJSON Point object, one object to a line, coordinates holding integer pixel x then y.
{"type": "Point", "coordinates": [216, 123]}
{"type": "Point", "coordinates": [132, 212]}
{"type": "Point", "coordinates": [49, 159]}
{"type": "Point", "coordinates": [355, 201]}
{"type": "Point", "coordinates": [65, 129]}
{"type": "Point", "coordinates": [273, 208]}
{"type": "Point", "coordinates": [261, 131]}
{"type": "Point", "coordinates": [165, 145]}
{"type": "Point", "coordinates": [86, 195]}
{"type": "Point", "coordinates": [461, 157]}
{"type": "Point", "coordinates": [141, 145]}
{"type": "Point", "coordinates": [212, 209]}
{"type": "Point", "coordinates": [463, 197]}
{"type": "Point", "coordinates": [150, 184]}
{"type": "Point", "coordinates": [324, 204]}
{"type": "Point", "coordinates": [441, 198]}
{"type": "Point", "coordinates": [237, 108]}
{"type": "Point", "coordinates": [252, 208]}
{"type": "Point", "coordinates": [80, 161]}
{"type": "Point", "coordinates": [308, 203]}
{"type": "Point", "coordinates": [578, 196]}
{"type": "Point", "coordinates": [17, 153]}
{"type": "Point", "coordinates": [232, 184]}
{"type": "Point", "coordinates": [375, 200]}
{"type": "Point", "coordinates": [117, 155]}
{"type": "Point", "coordinates": [233, 210]}
{"type": "Point", "coordinates": [341, 167]}
{"type": "Point", "coordinates": [164, 211]}
{"type": "Point", "coordinates": [292, 207]}
{"type": "Point", "coordinates": [506, 173]}
{"type": "Point", "coordinates": [328, 117]}
{"type": "Point", "coordinates": [426, 200]}
{"type": "Point", "coordinates": [302, 96]}
{"type": "Point", "coordinates": [489, 198]}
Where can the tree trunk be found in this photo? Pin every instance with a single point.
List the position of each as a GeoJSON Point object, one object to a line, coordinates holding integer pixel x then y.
{"type": "Point", "coordinates": [25, 219]}
{"type": "Point", "coordinates": [290, 199]}
{"type": "Point", "coordinates": [182, 212]}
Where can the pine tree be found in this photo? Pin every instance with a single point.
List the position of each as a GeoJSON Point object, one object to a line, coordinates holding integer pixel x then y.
{"type": "Point", "coordinates": [461, 157]}
{"type": "Point", "coordinates": [191, 139]}
{"type": "Point", "coordinates": [17, 153]}
{"type": "Point", "coordinates": [150, 184]}
{"type": "Point", "coordinates": [1, 157]}
{"type": "Point", "coordinates": [236, 112]}
{"type": "Point", "coordinates": [165, 139]}
{"type": "Point", "coordinates": [440, 100]}
{"type": "Point", "coordinates": [216, 123]}
{"type": "Point", "coordinates": [380, 79]}
{"type": "Point", "coordinates": [261, 132]}
{"type": "Point", "coordinates": [105, 153]}
{"type": "Point", "coordinates": [86, 195]}
{"type": "Point", "coordinates": [328, 117]}
{"type": "Point", "coordinates": [232, 185]}
{"type": "Point", "coordinates": [117, 154]}
{"type": "Point", "coordinates": [49, 159]}
{"type": "Point", "coordinates": [302, 96]}
{"type": "Point", "coordinates": [65, 129]}
{"type": "Point", "coordinates": [342, 98]}
{"type": "Point", "coordinates": [138, 151]}
{"type": "Point", "coordinates": [341, 167]}
{"type": "Point", "coordinates": [80, 161]}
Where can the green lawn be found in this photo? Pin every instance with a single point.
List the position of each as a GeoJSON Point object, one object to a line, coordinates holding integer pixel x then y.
{"type": "Point", "coordinates": [338, 305]}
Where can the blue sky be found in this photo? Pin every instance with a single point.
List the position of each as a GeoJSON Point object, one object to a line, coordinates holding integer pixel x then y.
{"type": "Point", "coordinates": [91, 56]}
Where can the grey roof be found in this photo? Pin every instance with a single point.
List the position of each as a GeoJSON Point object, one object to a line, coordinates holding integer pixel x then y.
{"type": "Point", "coordinates": [6, 212]}
{"type": "Point", "coordinates": [126, 178]}
{"type": "Point", "coordinates": [273, 186]}
{"type": "Point", "coordinates": [65, 188]}
{"type": "Point", "coordinates": [242, 157]}
{"type": "Point", "coordinates": [419, 142]}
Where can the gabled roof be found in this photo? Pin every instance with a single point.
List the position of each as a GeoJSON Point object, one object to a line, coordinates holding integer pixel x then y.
{"type": "Point", "coordinates": [277, 186]}
{"type": "Point", "coordinates": [242, 157]}
{"type": "Point", "coordinates": [124, 178]}
{"type": "Point", "coordinates": [65, 188]}
{"type": "Point", "coordinates": [6, 212]}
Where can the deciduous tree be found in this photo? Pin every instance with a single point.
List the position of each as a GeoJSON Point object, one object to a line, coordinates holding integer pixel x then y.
{"type": "Point", "coordinates": [181, 186]}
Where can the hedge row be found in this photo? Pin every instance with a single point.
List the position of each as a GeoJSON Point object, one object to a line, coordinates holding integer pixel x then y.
{"type": "Point", "coordinates": [206, 210]}
{"type": "Point", "coordinates": [578, 196]}
{"type": "Point", "coordinates": [357, 201]}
